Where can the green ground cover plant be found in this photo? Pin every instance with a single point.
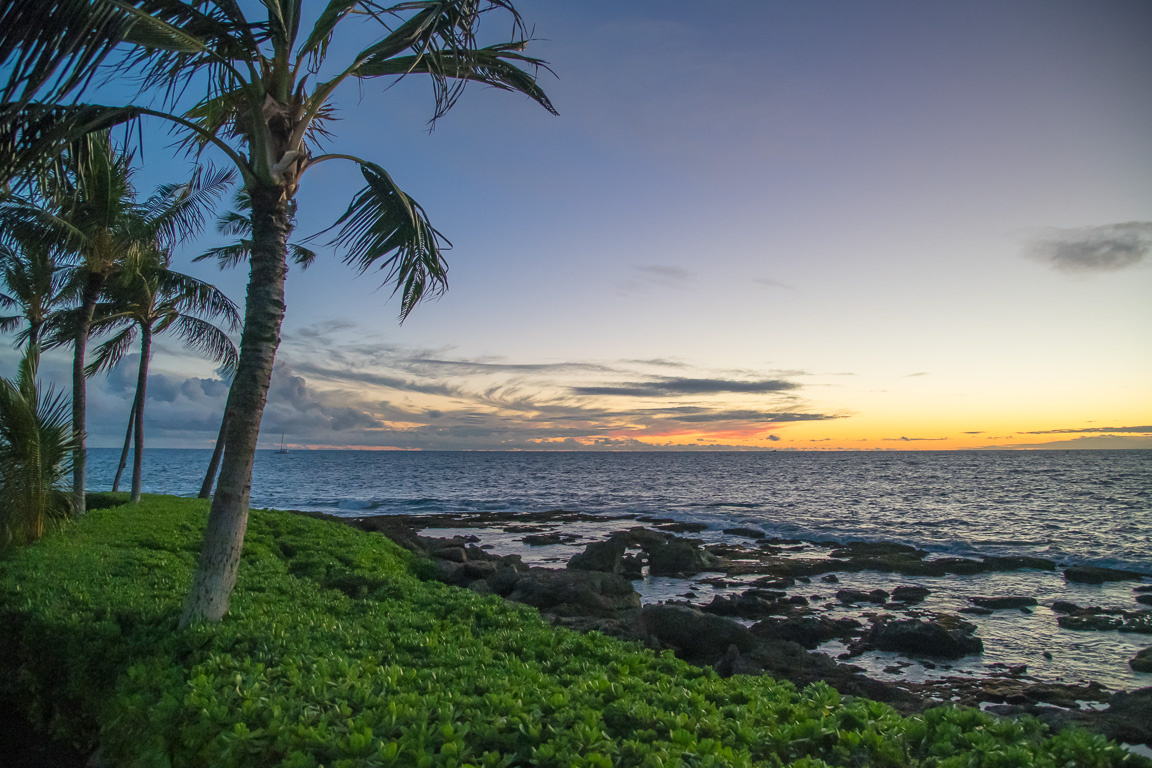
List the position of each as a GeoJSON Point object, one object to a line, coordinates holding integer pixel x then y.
{"type": "Point", "coordinates": [337, 653]}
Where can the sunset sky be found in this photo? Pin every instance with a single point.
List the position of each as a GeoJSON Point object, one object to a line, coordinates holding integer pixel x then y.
{"type": "Point", "coordinates": [786, 225]}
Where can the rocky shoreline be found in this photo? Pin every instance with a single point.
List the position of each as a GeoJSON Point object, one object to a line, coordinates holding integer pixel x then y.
{"type": "Point", "coordinates": [758, 622]}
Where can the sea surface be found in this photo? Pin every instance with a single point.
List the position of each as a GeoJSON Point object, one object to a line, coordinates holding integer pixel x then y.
{"type": "Point", "coordinates": [1070, 506]}
{"type": "Point", "coordinates": [1074, 507]}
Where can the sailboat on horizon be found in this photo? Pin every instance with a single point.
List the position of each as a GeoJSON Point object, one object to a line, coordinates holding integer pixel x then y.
{"type": "Point", "coordinates": [282, 449]}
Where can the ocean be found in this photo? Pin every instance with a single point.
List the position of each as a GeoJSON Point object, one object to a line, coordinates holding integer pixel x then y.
{"type": "Point", "coordinates": [1071, 506]}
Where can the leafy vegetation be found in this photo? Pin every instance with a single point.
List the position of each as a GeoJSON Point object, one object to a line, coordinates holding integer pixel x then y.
{"type": "Point", "coordinates": [339, 655]}
{"type": "Point", "coordinates": [35, 444]}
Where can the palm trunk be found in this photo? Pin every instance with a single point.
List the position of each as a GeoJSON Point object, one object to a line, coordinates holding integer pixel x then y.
{"type": "Point", "coordinates": [214, 464]}
{"type": "Point", "coordinates": [141, 388]}
{"type": "Point", "coordinates": [127, 445]}
{"type": "Point", "coordinates": [92, 290]}
{"type": "Point", "coordinates": [224, 537]}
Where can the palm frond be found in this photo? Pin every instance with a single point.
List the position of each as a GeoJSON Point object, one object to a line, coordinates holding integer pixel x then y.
{"type": "Point", "coordinates": [205, 337]}
{"type": "Point", "coordinates": [33, 137]}
{"type": "Point", "coordinates": [178, 211]}
{"type": "Point", "coordinates": [384, 227]}
{"type": "Point", "coordinates": [228, 256]}
{"type": "Point", "coordinates": [316, 45]}
{"type": "Point", "coordinates": [52, 49]}
{"type": "Point", "coordinates": [495, 65]}
{"type": "Point", "coordinates": [109, 354]}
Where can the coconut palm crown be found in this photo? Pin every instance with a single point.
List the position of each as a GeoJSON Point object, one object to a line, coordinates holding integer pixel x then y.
{"type": "Point", "coordinates": [258, 91]}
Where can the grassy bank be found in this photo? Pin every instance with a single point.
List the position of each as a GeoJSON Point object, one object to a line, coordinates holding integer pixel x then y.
{"type": "Point", "coordinates": [337, 653]}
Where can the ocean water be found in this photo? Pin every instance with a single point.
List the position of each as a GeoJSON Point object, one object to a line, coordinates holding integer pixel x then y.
{"type": "Point", "coordinates": [1070, 506]}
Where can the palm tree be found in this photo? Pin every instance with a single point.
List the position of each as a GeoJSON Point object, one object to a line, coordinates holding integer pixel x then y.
{"type": "Point", "coordinates": [151, 298]}
{"type": "Point", "coordinates": [35, 448]}
{"type": "Point", "coordinates": [238, 223]}
{"type": "Point", "coordinates": [35, 282]}
{"type": "Point", "coordinates": [85, 205]}
{"type": "Point", "coordinates": [263, 100]}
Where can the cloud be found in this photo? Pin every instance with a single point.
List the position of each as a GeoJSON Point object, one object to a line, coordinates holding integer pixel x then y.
{"type": "Point", "coordinates": [912, 439]}
{"type": "Point", "coordinates": [669, 387]}
{"type": "Point", "coordinates": [705, 415]}
{"type": "Point", "coordinates": [1107, 248]}
{"type": "Point", "coordinates": [643, 279]}
{"type": "Point", "coordinates": [770, 283]}
{"type": "Point", "coordinates": [1088, 429]}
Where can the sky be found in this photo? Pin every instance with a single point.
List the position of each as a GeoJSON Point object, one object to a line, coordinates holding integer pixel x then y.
{"type": "Point", "coordinates": [820, 225]}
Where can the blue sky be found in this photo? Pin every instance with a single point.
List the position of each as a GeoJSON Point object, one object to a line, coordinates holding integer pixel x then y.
{"type": "Point", "coordinates": [753, 224]}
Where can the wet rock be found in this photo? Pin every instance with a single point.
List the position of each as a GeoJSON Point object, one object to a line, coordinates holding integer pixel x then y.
{"type": "Point", "coordinates": [1105, 619]}
{"type": "Point", "coordinates": [946, 637]}
{"type": "Point", "coordinates": [1002, 603]}
{"type": "Point", "coordinates": [750, 605]}
{"type": "Point", "coordinates": [831, 578]}
{"type": "Point", "coordinates": [1144, 599]}
{"type": "Point", "coordinates": [1018, 563]}
{"type": "Point", "coordinates": [1128, 717]}
{"type": "Point", "coordinates": [975, 610]}
{"type": "Point", "coordinates": [1142, 661]}
{"type": "Point", "coordinates": [870, 549]}
{"type": "Point", "coordinates": [681, 527]}
{"type": "Point", "coordinates": [1144, 588]}
{"type": "Point", "coordinates": [571, 593]}
{"type": "Point", "coordinates": [1063, 606]}
{"type": "Point", "coordinates": [808, 631]}
{"type": "Point", "coordinates": [860, 596]}
{"type": "Point", "coordinates": [1092, 574]}
{"type": "Point", "coordinates": [911, 594]}
{"type": "Point", "coordinates": [602, 556]}
{"type": "Point", "coordinates": [631, 566]}
{"type": "Point", "coordinates": [769, 582]}
{"type": "Point", "coordinates": [695, 636]}
{"type": "Point", "coordinates": [545, 539]}
{"type": "Point", "coordinates": [679, 558]}
{"type": "Point", "coordinates": [747, 533]}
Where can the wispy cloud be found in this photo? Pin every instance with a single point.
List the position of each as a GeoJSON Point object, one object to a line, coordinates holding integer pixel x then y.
{"type": "Point", "coordinates": [645, 278]}
{"type": "Point", "coordinates": [1147, 430]}
{"type": "Point", "coordinates": [667, 387]}
{"type": "Point", "coordinates": [1106, 248]}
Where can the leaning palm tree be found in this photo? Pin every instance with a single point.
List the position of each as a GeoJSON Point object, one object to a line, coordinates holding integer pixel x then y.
{"type": "Point", "coordinates": [35, 449]}
{"type": "Point", "coordinates": [150, 299]}
{"type": "Point", "coordinates": [84, 204]}
{"type": "Point", "coordinates": [261, 94]}
{"type": "Point", "coordinates": [238, 223]}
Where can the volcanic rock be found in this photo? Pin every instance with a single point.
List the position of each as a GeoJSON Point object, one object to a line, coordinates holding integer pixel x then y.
{"type": "Point", "coordinates": [1001, 603]}
{"type": "Point", "coordinates": [575, 593]}
{"type": "Point", "coordinates": [946, 636]}
{"type": "Point", "coordinates": [913, 594]}
{"type": "Point", "coordinates": [603, 556]}
{"type": "Point", "coordinates": [695, 636]}
{"type": "Point", "coordinates": [747, 533]}
{"type": "Point", "coordinates": [808, 631]}
{"type": "Point", "coordinates": [1092, 574]}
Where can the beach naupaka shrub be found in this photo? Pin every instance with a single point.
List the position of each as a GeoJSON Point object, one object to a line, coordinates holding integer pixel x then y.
{"type": "Point", "coordinates": [339, 655]}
